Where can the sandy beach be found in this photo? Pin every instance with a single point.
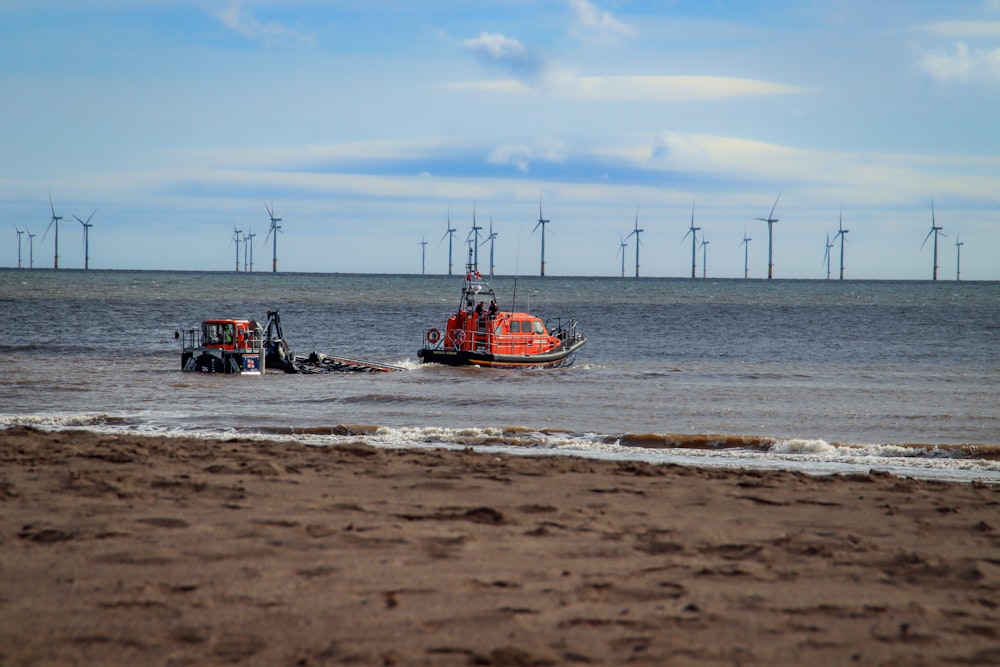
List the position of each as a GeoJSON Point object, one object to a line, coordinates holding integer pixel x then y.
{"type": "Point", "coordinates": [164, 551]}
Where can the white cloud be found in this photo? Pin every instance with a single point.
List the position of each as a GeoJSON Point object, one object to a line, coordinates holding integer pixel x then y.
{"type": "Point", "coordinates": [957, 29]}
{"type": "Point", "coordinates": [521, 155]}
{"type": "Point", "coordinates": [672, 88]}
{"type": "Point", "coordinates": [592, 22]}
{"type": "Point", "coordinates": [237, 19]}
{"type": "Point", "coordinates": [964, 65]}
{"type": "Point", "coordinates": [505, 53]}
{"type": "Point", "coordinates": [635, 88]}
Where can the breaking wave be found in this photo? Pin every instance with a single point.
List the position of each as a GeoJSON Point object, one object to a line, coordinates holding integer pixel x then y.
{"type": "Point", "coordinates": [817, 456]}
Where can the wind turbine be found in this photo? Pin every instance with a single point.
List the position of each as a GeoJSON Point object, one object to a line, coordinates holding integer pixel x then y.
{"type": "Point", "coordinates": [704, 257]}
{"type": "Point", "coordinates": [423, 255]}
{"type": "Point", "coordinates": [541, 223]}
{"type": "Point", "coordinates": [958, 260]}
{"type": "Point", "coordinates": [746, 254]}
{"type": "Point", "coordinates": [621, 251]}
{"type": "Point", "coordinates": [236, 239]}
{"type": "Point", "coordinates": [248, 243]}
{"type": "Point", "coordinates": [274, 229]}
{"type": "Point", "coordinates": [770, 220]}
{"type": "Point", "coordinates": [450, 233]}
{"type": "Point", "coordinates": [86, 238]}
{"type": "Point", "coordinates": [638, 242]}
{"type": "Point", "coordinates": [19, 233]}
{"type": "Point", "coordinates": [842, 233]}
{"type": "Point", "coordinates": [55, 221]}
{"type": "Point", "coordinates": [31, 248]}
{"type": "Point", "coordinates": [474, 238]}
{"type": "Point", "coordinates": [491, 238]}
{"type": "Point", "coordinates": [935, 230]}
{"type": "Point", "coordinates": [693, 231]}
{"type": "Point", "coordinates": [826, 255]}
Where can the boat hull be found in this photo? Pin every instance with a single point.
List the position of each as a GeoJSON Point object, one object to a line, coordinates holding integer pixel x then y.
{"type": "Point", "coordinates": [561, 357]}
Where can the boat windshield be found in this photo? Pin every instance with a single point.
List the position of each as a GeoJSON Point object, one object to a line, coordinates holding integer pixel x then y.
{"type": "Point", "coordinates": [478, 287]}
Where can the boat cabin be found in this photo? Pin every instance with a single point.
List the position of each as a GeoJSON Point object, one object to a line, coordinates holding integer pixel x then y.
{"type": "Point", "coordinates": [230, 335]}
{"type": "Point", "coordinates": [486, 329]}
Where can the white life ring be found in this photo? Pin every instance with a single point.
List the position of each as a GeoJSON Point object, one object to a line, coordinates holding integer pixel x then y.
{"type": "Point", "coordinates": [433, 336]}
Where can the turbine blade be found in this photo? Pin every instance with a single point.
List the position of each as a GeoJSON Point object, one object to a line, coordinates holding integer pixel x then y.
{"type": "Point", "coordinates": [775, 204]}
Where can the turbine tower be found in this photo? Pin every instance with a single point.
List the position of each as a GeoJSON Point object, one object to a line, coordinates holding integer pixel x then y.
{"type": "Point", "coordinates": [693, 231]}
{"type": "Point", "coordinates": [541, 223]}
{"type": "Point", "coordinates": [958, 259]}
{"type": "Point", "coordinates": [236, 240]}
{"type": "Point", "coordinates": [621, 251]}
{"type": "Point", "coordinates": [770, 220]}
{"type": "Point", "coordinates": [274, 229]}
{"type": "Point", "coordinates": [450, 233]}
{"type": "Point", "coordinates": [491, 238]}
{"type": "Point", "coordinates": [935, 230]}
{"type": "Point", "coordinates": [31, 248]}
{"type": "Point", "coordinates": [19, 233]}
{"type": "Point", "coordinates": [746, 254]}
{"type": "Point", "coordinates": [473, 237]}
{"type": "Point", "coordinates": [248, 244]}
{"type": "Point", "coordinates": [842, 233]}
{"type": "Point", "coordinates": [423, 255]}
{"type": "Point", "coordinates": [826, 255]}
{"type": "Point", "coordinates": [86, 238]}
{"type": "Point", "coordinates": [704, 257]}
{"type": "Point", "coordinates": [55, 221]}
{"type": "Point", "coordinates": [638, 242]}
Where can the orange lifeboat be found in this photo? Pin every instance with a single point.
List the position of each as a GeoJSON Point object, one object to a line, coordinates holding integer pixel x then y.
{"type": "Point", "coordinates": [480, 334]}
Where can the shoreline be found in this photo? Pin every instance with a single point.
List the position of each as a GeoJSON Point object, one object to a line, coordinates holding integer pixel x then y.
{"type": "Point", "coordinates": [121, 549]}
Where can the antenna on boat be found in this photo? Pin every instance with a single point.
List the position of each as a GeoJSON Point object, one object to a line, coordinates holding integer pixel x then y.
{"type": "Point", "coordinates": [541, 223]}
{"type": "Point", "coordinates": [517, 260]}
{"type": "Point", "coordinates": [842, 233]}
{"type": "Point", "coordinates": [693, 231]}
{"type": "Point", "coordinates": [275, 228]}
{"type": "Point", "coordinates": [935, 230]}
{"type": "Point", "coordinates": [473, 238]}
{"type": "Point", "coordinates": [450, 233]}
{"type": "Point", "coordinates": [638, 242]}
{"type": "Point", "coordinates": [770, 220]}
{"type": "Point", "coordinates": [55, 221]}
{"type": "Point", "coordinates": [86, 239]}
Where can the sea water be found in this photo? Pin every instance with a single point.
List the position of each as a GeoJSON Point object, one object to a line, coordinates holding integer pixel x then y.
{"type": "Point", "coordinates": [818, 376]}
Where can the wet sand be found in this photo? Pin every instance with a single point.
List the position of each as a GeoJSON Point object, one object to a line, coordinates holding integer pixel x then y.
{"type": "Point", "coordinates": [155, 551]}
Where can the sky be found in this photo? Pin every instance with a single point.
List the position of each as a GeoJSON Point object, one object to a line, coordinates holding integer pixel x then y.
{"type": "Point", "coordinates": [368, 126]}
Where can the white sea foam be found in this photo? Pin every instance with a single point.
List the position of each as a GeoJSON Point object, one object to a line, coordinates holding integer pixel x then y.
{"type": "Point", "coordinates": [814, 456]}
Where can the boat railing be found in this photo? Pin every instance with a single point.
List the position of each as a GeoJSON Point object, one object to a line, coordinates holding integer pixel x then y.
{"type": "Point", "coordinates": [192, 338]}
{"type": "Point", "coordinates": [563, 330]}
{"type": "Point", "coordinates": [485, 338]}
{"type": "Point", "coordinates": [255, 339]}
{"type": "Point", "coordinates": [189, 337]}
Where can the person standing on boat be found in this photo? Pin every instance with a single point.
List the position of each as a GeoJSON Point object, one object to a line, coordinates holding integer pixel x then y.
{"type": "Point", "coordinates": [494, 309]}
